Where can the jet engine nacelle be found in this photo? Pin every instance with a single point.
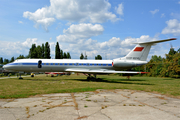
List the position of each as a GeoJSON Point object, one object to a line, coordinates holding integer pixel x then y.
{"type": "Point", "coordinates": [123, 63]}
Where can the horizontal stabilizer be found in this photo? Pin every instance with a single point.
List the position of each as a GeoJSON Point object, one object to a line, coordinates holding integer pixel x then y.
{"type": "Point", "coordinates": [154, 42]}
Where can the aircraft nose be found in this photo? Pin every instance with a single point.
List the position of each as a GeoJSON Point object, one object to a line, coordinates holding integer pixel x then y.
{"type": "Point", "coordinates": [4, 67]}
{"type": "Point", "coordinates": [7, 67]}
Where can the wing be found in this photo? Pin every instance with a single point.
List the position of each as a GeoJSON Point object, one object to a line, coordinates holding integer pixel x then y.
{"type": "Point", "coordinates": [101, 71]}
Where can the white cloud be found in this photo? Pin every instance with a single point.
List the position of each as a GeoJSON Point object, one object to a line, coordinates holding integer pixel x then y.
{"type": "Point", "coordinates": [113, 48]}
{"type": "Point", "coordinates": [68, 24]}
{"type": "Point", "coordinates": [129, 41]}
{"type": "Point", "coordinates": [29, 41]}
{"type": "Point", "coordinates": [119, 9]}
{"type": "Point", "coordinates": [10, 49]}
{"type": "Point", "coordinates": [94, 11]}
{"type": "Point", "coordinates": [79, 40]}
{"type": "Point", "coordinates": [21, 22]}
{"type": "Point", "coordinates": [52, 49]}
{"type": "Point", "coordinates": [45, 23]}
{"type": "Point", "coordinates": [179, 2]}
{"type": "Point", "coordinates": [154, 12]}
{"type": "Point", "coordinates": [173, 27]}
{"type": "Point", "coordinates": [114, 42]}
{"type": "Point", "coordinates": [41, 17]}
{"type": "Point", "coordinates": [175, 15]}
{"type": "Point", "coordinates": [162, 15]}
{"type": "Point", "coordinates": [80, 32]}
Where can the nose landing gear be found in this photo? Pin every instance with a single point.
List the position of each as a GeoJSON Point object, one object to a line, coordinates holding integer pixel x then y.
{"type": "Point", "coordinates": [20, 76]}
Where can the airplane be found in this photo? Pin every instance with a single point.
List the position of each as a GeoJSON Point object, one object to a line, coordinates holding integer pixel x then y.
{"type": "Point", "coordinates": [57, 73]}
{"type": "Point", "coordinates": [136, 57]}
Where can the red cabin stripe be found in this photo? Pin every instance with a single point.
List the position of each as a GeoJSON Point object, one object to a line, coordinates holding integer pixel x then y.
{"type": "Point", "coordinates": [139, 49]}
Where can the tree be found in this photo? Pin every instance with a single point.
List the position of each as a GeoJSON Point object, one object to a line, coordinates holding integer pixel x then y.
{"type": "Point", "coordinates": [42, 48]}
{"type": "Point", "coordinates": [1, 60]}
{"type": "Point", "coordinates": [179, 61]}
{"type": "Point", "coordinates": [47, 51]}
{"type": "Point", "coordinates": [61, 54]}
{"type": "Point", "coordinates": [98, 57]}
{"type": "Point", "coordinates": [12, 59]}
{"type": "Point", "coordinates": [172, 51]}
{"type": "Point", "coordinates": [57, 51]}
{"type": "Point", "coordinates": [155, 58]}
{"type": "Point", "coordinates": [65, 55]}
{"type": "Point", "coordinates": [68, 55]}
{"type": "Point", "coordinates": [20, 57]}
{"type": "Point", "coordinates": [6, 61]}
{"type": "Point", "coordinates": [32, 51]}
{"type": "Point", "coordinates": [178, 51]}
{"type": "Point", "coordinates": [82, 56]}
{"type": "Point", "coordinates": [27, 56]}
{"type": "Point", "coordinates": [38, 51]}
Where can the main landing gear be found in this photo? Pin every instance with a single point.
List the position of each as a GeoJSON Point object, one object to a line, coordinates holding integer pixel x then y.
{"type": "Point", "coordinates": [90, 77]}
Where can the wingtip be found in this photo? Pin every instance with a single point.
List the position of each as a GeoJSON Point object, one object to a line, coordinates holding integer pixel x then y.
{"type": "Point", "coordinates": [173, 38]}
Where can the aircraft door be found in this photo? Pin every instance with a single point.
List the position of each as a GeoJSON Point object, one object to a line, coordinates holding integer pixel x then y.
{"type": "Point", "coordinates": [39, 64]}
{"type": "Point", "coordinates": [77, 64]}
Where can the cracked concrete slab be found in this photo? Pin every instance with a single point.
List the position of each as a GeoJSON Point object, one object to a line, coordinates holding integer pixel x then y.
{"type": "Point", "coordinates": [99, 104]}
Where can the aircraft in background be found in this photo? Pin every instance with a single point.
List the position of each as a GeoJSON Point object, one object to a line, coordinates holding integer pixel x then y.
{"type": "Point", "coordinates": [57, 73]}
{"type": "Point", "coordinates": [136, 57]}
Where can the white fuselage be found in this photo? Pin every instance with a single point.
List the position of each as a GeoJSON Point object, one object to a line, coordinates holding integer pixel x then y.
{"type": "Point", "coordinates": [61, 65]}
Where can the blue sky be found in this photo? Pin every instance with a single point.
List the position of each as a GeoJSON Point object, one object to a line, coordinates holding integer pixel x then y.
{"type": "Point", "coordinates": [96, 27]}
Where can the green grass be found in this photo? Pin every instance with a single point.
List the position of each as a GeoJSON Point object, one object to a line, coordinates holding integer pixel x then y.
{"type": "Point", "coordinates": [15, 88]}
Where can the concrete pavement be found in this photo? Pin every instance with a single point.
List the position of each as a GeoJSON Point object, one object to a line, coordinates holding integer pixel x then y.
{"type": "Point", "coordinates": [98, 105]}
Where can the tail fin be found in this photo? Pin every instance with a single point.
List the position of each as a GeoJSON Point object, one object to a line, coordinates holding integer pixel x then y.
{"type": "Point", "coordinates": [141, 50]}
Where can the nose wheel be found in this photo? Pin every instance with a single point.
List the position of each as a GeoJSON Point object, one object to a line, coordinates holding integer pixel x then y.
{"type": "Point", "coordinates": [20, 76]}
